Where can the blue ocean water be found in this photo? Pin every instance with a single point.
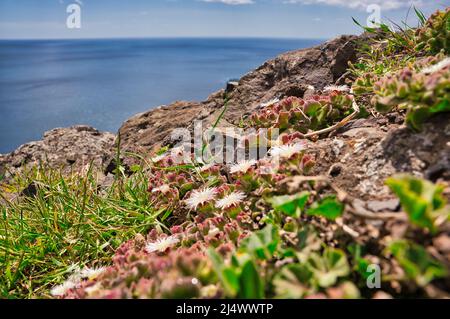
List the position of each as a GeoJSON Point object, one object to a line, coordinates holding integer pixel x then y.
{"type": "Point", "coordinates": [56, 83]}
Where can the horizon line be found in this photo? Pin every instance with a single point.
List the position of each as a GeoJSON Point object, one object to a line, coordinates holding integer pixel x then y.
{"type": "Point", "coordinates": [167, 37]}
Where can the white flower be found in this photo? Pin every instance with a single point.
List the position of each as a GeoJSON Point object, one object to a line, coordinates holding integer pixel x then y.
{"type": "Point", "coordinates": [72, 282]}
{"type": "Point", "coordinates": [286, 151]}
{"type": "Point", "coordinates": [437, 67]}
{"type": "Point", "coordinates": [200, 197]}
{"type": "Point", "coordinates": [242, 167]}
{"type": "Point", "coordinates": [161, 244]}
{"type": "Point", "coordinates": [91, 273]}
{"type": "Point", "coordinates": [340, 88]}
{"type": "Point", "coordinates": [270, 103]}
{"type": "Point", "coordinates": [62, 289]}
{"type": "Point", "coordinates": [230, 200]}
{"type": "Point", "coordinates": [163, 189]}
{"type": "Point", "coordinates": [159, 158]}
{"type": "Point", "coordinates": [213, 232]}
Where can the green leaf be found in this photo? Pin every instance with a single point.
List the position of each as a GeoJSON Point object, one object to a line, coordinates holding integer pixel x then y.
{"type": "Point", "coordinates": [293, 282]}
{"type": "Point", "coordinates": [252, 286]}
{"type": "Point", "coordinates": [416, 262]}
{"type": "Point", "coordinates": [290, 205]}
{"type": "Point", "coordinates": [329, 208]}
{"type": "Point", "coordinates": [420, 199]}
{"type": "Point", "coordinates": [136, 168]}
{"type": "Point", "coordinates": [369, 30]}
{"type": "Point", "coordinates": [262, 243]}
{"type": "Point", "coordinates": [328, 267]}
{"type": "Point", "coordinates": [227, 275]}
{"type": "Point", "coordinates": [420, 16]}
{"type": "Point", "coordinates": [308, 241]}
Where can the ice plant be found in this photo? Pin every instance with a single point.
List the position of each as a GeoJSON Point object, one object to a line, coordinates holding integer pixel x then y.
{"type": "Point", "coordinates": [200, 197]}
{"type": "Point", "coordinates": [92, 273]}
{"type": "Point", "coordinates": [230, 200]}
{"type": "Point", "coordinates": [434, 36]}
{"type": "Point", "coordinates": [161, 244]}
{"type": "Point", "coordinates": [287, 151]}
{"type": "Point", "coordinates": [304, 115]}
{"type": "Point", "coordinates": [62, 289]}
{"type": "Point", "coordinates": [242, 167]}
{"type": "Point", "coordinates": [422, 94]}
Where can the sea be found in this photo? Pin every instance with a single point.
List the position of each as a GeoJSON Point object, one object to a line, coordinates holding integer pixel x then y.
{"type": "Point", "coordinates": [46, 84]}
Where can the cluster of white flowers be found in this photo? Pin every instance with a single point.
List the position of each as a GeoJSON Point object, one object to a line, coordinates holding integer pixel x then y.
{"type": "Point", "coordinates": [230, 200]}
{"type": "Point", "coordinates": [62, 289]}
{"type": "Point", "coordinates": [161, 244]}
{"type": "Point", "coordinates": [91, 273]}
{"type": "Point", "coordinates": [243, 166]}
{"type": "Point", "coordinates": [75, 279]}
{"type": "Point", "coordinates": [286, 151]}
{"type": "Point", "coordinates": [200, 197]}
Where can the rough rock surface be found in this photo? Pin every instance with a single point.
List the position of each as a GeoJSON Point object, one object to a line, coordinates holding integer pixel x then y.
{"type": "Point", "coordinates": [290, 74]}
{"type": "Point", "coordinates": [361, 155]}
{"type": "Point", "coordinates": [71, 148]}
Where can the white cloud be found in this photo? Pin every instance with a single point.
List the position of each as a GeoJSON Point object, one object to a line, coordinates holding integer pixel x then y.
{"type": "Point", "coordinates": [232, 2]}
{"type": "Point", "coordinates": [362, 4]}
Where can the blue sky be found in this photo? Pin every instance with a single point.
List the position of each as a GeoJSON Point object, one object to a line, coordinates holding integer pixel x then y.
{"type": "Point", "coordinates": [197, 18]}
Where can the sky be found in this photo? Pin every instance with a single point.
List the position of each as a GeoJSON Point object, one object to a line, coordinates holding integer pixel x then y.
{"type": "Point", "coordinates": [46, 19]}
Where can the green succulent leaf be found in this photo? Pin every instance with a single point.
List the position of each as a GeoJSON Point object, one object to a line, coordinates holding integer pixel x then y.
{"type": "Point", "coordinates": [420, 199]}
{"type": "Point", "coordinates": [227, 275]}
{"type": "Point", "coordinates": [262, 243]}
{"type": "Point", "coordinates": [329, 208]}
{"type": "Point", "coordinates": [290, 205]}
{"type": "Point", "coordinates": [293, 282]}
{"type": "Point", "coordinates": [251, 284]}
{"type": "Point", "coordinates": [328, 267]}
{"type": "Point", "coordinates": [416, 262]}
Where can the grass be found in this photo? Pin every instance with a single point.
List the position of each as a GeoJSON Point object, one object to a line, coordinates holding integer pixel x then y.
{"type": "Point", "coordinates": [66, 220]}
{"type": "Point", "coordinates": [393, 47]}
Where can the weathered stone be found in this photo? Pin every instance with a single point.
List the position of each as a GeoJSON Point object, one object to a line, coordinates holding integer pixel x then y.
{"type": "Point", "coordinates": [383, 205]}
{"type": "Point", "coordinates": [71, 148]}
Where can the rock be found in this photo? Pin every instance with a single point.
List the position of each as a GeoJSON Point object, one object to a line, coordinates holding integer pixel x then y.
{"type": "Point", "coordinates": [70, 148]}
{"type": "Point", "coordinates": [290, 74]}
{"type": "Point", "coordinates": [374, 151]}
{"type": "Point", "coordinates": [146, 131]}
{"type": "Point", "coordinates": [231, 85]}
{"type": "Point", "coordinates": [383, 205]}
